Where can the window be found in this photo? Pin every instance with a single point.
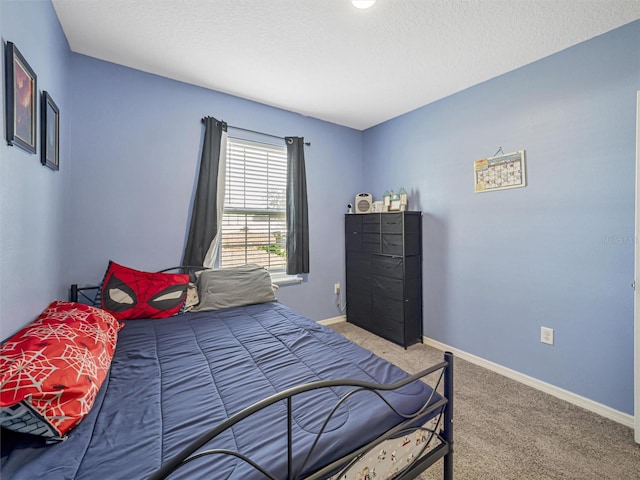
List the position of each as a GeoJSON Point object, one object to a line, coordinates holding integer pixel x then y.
{"type": "Point", "coordinates": [254, 227]}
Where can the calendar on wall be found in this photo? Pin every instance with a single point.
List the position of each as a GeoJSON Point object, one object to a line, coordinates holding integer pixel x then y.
{"type": "Point", "coordinates": [500, 172]}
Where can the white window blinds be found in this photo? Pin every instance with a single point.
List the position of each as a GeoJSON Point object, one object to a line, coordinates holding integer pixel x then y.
{"type": "Point", "coordinates": [254, 228]}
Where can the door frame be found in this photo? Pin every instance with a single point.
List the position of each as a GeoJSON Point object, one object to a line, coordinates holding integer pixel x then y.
{"type": "Point", "coordinates": [636, 294]}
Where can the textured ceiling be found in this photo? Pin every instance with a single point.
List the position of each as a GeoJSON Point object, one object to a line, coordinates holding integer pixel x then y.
{"type": "Point", "coordinates": [327, 59]}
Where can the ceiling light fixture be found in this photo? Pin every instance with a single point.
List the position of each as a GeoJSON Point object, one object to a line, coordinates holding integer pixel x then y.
{"type": "Point", "coordinates": [363, 3]}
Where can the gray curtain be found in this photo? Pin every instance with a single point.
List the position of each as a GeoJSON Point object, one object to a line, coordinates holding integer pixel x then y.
{"type": "Point", "coordinates": [297, 215]}
{"type": "Point", "coordinates": [204, 217]}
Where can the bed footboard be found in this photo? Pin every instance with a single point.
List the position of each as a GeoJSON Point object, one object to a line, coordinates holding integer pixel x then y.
{"type": "Point", "coordinates": [431, 426]}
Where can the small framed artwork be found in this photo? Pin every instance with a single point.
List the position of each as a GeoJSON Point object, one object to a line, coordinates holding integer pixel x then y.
{"type": "Point", "coordinates": [21, 110]}
{"type": "Point", "coordinates": [394, 206]}
{"type": "Point", "coordinates": [50, 132]}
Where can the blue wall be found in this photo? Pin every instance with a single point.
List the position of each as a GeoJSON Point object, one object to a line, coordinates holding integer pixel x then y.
{"type": "Point", "coordinates": [135, 154]}
{"type": "Point", "coordinates": [557, 253]}
{"type": "Point", "coordinates": [32, 197]}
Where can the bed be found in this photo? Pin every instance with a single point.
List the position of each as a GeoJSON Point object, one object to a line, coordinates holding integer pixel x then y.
{"type": "Point", "coordinates": [252, 391]}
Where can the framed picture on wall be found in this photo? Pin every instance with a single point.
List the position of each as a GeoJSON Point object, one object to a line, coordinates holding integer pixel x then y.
{"type": "Point", "coordinates": [49, 132]}
{"type": "Point", "coordinates": [21, 111]}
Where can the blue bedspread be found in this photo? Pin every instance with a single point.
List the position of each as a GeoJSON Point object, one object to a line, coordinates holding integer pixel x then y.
{"type": "Point", "coordinates": [173, 379]}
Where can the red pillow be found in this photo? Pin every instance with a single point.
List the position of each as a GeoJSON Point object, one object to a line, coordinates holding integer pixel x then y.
{"type": "Point", "coordinates": [51, 370]}
{"type": "Point", "coordinates": [128, 294]}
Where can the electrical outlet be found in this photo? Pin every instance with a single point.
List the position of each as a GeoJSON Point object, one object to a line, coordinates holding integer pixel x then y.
{"type": "Point", "coordinates": [546, 335]}
{"type": "Point", "coordinates": [336, 288]}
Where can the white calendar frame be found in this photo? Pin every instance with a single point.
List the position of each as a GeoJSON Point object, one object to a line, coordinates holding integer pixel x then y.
{"type": "Point", "coordinates": [500, 172]}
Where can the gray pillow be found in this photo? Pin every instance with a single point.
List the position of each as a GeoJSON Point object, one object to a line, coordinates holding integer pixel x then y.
{"type": "Point", "coordinates": [233, 287]}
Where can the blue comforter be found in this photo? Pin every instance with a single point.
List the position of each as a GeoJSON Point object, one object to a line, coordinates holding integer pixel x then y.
{"type": "Point", "coordinates": [173, 379]}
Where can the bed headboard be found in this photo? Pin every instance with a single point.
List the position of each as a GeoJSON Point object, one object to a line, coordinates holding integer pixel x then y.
{"type": "Point", "coordinates": [76, 293]}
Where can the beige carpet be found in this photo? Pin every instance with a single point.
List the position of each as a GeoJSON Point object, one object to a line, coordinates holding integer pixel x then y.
{"type": "Point", "coordinates": [506, 430]}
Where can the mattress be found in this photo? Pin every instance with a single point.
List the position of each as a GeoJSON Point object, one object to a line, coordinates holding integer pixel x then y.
{"type": "Point", "coordinates": [174, 379]}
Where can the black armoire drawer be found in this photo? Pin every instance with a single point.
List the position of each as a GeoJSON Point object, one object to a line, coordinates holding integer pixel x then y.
{"type": "Point", "coordinates": [392, 223]}
{"type": "Point", "coordinates": [359, 262]}
{"type": "Point", "coordinates": [353, 224]}
{"type": "Point", "coordinates": [388, 320]}
{"type": "Point", "coordinates": [388, 266]}
{"type": "Point", "coordinates": [396, 266]}
{"type": "Point", "coordinates": [393, 244]}
{"type": "Point", "coordinates": [371, 242]}
{"type": "Point", "coordinates": [388, 309]}
{"type": "Point", "coordinates": [359, 307]}
{"type": "Point", "coordinates": [387, 287]}
{"type": "Point", "coordinates": [358, 273]}
{"type": "Point", "coordinates": [353, 242]}
{"type": "Point", "coordinates": [372, 218]}
{"type": "Point", "coordinates": [393, 331]}
{"type": "Point", "coordinates": [371, 227]}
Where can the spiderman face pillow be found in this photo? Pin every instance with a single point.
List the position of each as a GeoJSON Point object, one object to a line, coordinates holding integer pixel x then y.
{"type": "Point", "coordinates": [129, 294]}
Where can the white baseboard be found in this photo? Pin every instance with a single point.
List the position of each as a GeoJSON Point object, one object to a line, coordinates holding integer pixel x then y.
{"type": "Point", "coordinates": [331, 321]}
{"type": "Point", "coordinates": [595, 407]}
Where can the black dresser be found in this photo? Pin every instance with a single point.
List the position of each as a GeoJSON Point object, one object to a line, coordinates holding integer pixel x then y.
{"type": "Point", "coordinates": [384, 274]}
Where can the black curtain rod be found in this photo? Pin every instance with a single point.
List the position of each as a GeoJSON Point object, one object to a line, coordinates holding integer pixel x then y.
{"type": "Point", "coordinates": [308, 144]}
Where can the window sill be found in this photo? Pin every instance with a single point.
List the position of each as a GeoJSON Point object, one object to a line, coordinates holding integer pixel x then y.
{"type": "Point", "coordinates": [284, 279]}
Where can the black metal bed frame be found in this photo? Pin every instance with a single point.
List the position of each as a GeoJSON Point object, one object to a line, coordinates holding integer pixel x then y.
{"type": "Point", "coordinates": [442, 409]}
{"type": "Point", "coordinates": [77, 294]}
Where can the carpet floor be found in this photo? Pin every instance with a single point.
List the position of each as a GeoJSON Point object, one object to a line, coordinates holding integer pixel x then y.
{"type": "Point", "coordinates": [505, 430]}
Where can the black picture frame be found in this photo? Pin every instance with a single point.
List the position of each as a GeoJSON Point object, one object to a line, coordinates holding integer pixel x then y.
{"type": "Point", "coordinates": [21, 107]}
{"type": "Point", "coordinates": [49, 132]}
